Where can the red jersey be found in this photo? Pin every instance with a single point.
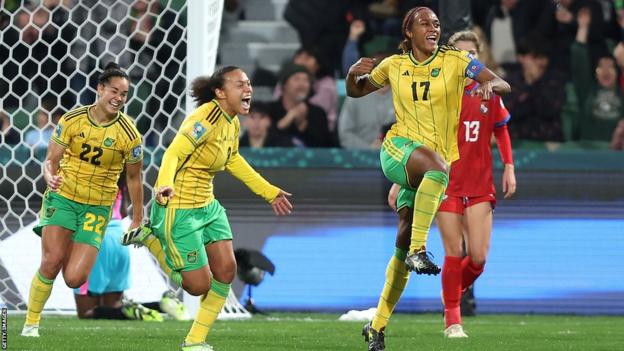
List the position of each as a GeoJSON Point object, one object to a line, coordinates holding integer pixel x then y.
{"type": "Point", "coordinates": [471, 175]}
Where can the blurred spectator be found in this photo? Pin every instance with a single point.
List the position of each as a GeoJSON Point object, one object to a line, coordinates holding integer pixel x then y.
{"type": "Point", "coordinates": [8, 134]}
{"type": "Point", "coordinates": [351, 50]}
{"type": "Point", "coordinates": [617, 141]}
{"type": "Point", "coordinates": [504, 28]}
{"type": "Point", "coordinates": [321, 24]}
{"type": "Point", "coordinates": [294, 115]}
{"type": "Point", "coordinates": [537, 96]}
{"type": "Point", "coordinates": [361, 121]}
{"type": "Point", "coordinates": [385, 18]}
{"type": "Point", "coordinates": [40, 137]}
{"type": "Point", "coordinates": [259, 130]}
{"type": "Point", "coordinates": [324, 93]}
{"type": "Point", "coordinates": [557, 25]}
{"type": "Point", "coordinates": [601, 104]}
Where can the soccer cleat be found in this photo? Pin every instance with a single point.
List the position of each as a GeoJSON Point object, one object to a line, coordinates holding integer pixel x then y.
{"type": "Point", "coordinates": [31, 331]}
{"type": "Point", "coordinates": [170, 304]}
{"type": "Point", "coordinates": [420, 262]}
{"type": "Point", "coordinates": [136, 311]}
{"type": "Point", "coordinates": [374, 338]}
{"type": "Point", "coordinates": [202, 346]}
{"type": "Point", "coordinates": [455, 331]}
{"type": "Point", "coordinates": [137, 235]}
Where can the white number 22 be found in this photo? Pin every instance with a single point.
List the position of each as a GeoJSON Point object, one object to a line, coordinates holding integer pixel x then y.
{"type": "Point", "coordinates": [472, 131]}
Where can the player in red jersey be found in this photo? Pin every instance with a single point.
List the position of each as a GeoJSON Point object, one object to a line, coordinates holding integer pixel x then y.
{"type": "Point", "coordinates": [466, 210]}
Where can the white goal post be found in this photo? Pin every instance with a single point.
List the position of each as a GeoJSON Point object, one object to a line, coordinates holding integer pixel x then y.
{"type": "Point", "coordinates": [51, 53]}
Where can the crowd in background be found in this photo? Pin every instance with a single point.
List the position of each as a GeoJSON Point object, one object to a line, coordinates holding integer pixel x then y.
{"type": "Point", "coordinates": [564, 60]}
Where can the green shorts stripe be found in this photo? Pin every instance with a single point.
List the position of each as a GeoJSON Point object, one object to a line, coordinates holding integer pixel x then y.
{"type": "Point", "coordinates": [394, 154]}
{"type": "Point", "coordinates": [184, 233]}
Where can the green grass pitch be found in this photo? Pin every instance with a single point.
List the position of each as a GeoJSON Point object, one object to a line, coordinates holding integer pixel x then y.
{"type": "Point", "coordinates": [299, 331]}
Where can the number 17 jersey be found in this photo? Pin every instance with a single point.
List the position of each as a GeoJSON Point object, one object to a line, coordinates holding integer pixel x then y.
{"type": "Point", "coordinates": [427, 96]}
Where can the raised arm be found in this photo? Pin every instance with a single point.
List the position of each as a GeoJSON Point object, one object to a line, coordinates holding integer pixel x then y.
{"type": "Point", "coordinates": [357, 81]}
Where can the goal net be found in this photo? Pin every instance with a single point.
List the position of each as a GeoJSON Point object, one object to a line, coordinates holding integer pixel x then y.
{"type": "Point", "coordinates": [52, 52]}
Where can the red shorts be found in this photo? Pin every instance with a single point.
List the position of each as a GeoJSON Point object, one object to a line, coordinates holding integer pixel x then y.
{"type": "Point", "coordinates": [457, 204]}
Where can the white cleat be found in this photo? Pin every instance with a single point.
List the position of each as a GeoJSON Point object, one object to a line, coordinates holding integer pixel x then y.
{"type": "Point", "coordinates": [455, 331]}
{"type": "Point", "coordinates": [31, 331]}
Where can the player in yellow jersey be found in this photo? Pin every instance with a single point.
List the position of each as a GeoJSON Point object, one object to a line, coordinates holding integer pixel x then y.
{"type": "Point", "coordinates": [427, 83]}
{"type": "Point", "coordinates": [191, 225]}
{"type": "Point", "coordinates": [90, 147]}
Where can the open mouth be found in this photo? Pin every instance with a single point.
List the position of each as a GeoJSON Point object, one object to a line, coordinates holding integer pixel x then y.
{"type": "Point", "coordinates": [432, 39]}
{"type": "Point", "coordinates": [246, 102]}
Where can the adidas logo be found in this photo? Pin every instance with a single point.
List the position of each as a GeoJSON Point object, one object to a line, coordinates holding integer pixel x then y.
{"type": "Point", "coordinates": [406, 73]}
{"type": "Point", "coordinates": [81, 135]}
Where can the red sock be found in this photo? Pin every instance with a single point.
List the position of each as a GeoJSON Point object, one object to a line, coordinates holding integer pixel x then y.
{"type": "Point", "coordinates": [470, 272]}
{"type": "Point", "coordinates": [451, 289]}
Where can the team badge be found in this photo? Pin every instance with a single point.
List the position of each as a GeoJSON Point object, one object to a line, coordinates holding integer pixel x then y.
{"type": "Point", "coordinates": [136, 152]}
{"type": "Point", "coordinates": [191, 257]}
{"type": "Point", "coordinates": [435, 72]}
{"type": "Point", "coordinates": [58, 131]}
{"type": "Point", "coordinates": [108, 142]}
{"type": "Point", "coordinates": [50, 212]}
{"type": "Point", "coordinates": [198, 130]}
{"type": "Point", "coordinates": [483, 108]}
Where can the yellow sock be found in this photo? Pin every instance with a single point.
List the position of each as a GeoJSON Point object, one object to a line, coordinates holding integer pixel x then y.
{"type": "Point", "coordinates": [40, 290]}
{"type": "Point", "coordinates": [426, 205]}
{"type": "Point", "coordinates": [209, 308]}
{"type": "Point", "coordinates": [397, 276]}
{"type": "Point", "coordinates": [153, 245]}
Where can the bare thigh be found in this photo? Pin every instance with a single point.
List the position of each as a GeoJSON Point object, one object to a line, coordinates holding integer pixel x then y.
{"type": "Point", "coordinates": [478, 220]}
{"type": "Point", "coordinates": [451, 230]}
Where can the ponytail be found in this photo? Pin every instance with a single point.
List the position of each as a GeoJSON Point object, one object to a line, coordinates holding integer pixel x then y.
{"type": "Point", "coordinates": [203, 88]}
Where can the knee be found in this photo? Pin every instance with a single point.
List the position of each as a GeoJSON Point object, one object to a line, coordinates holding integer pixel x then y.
{"type": "Point", "coordinates": [225, 273]}
{"type": "Point", "coordinates": [51, 265]}
{"type": "Point", "coordinates": [196, 288]}
{"type": "Point", "coordinates": [478, 259]}
{"type": "Point", "coordinates": [74, 281]}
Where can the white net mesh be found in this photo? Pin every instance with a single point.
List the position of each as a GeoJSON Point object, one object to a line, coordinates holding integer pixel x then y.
{"type": "Point", "coordinates": [52, 52]}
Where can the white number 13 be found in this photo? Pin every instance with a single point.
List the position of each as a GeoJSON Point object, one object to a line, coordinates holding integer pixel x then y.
{"type": "Point", "coordinates": [472, 131]}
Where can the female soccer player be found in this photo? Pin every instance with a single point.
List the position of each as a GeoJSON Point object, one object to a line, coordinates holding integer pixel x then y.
{"type": "Point", "coordinates": [102, 295]}
{"type": "Point", "coordinates": [466, 211]}
{"type": "Point", "coordinates": [189, 222]}
{"type": "Point", "coordinates": [90, 147]}
{"type": "Point", "coordinates": [427, 82]}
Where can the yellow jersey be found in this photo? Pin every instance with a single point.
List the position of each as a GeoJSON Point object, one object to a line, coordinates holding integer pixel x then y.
{"type": "Point", "coordinates": [206, 143]}
{"type": "Point", "coordinates": [95, 155]}
{"type": "Point", "coordinates": [427, 96]}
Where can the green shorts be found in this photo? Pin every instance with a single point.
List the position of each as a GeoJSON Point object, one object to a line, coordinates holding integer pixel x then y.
{"type": "Point", "coordinates": [88, 222]}
{"type": "Point", "coordinates": [394, 154]}
{"type": "Point", "coordinates": [405, 198]}
{"type": "Point", "coordinates": [183, 233]}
